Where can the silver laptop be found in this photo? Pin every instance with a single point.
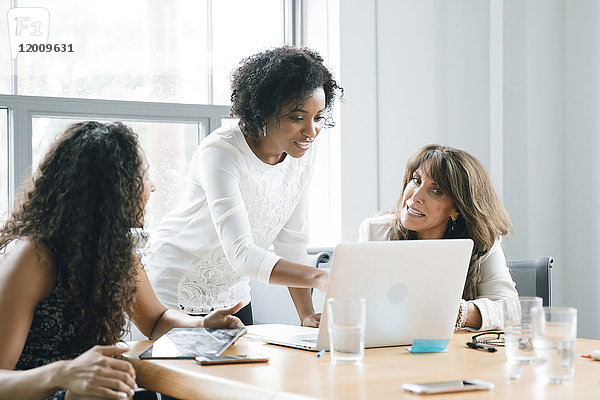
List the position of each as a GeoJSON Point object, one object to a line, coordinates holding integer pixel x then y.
{"type": "Point", "coordinates": [412, 290]}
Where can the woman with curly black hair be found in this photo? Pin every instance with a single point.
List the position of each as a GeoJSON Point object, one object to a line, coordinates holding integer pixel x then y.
{"type": "Point", "coordinates": [69, 274]}
{"type": "Point", "coordinates": [247, 191]}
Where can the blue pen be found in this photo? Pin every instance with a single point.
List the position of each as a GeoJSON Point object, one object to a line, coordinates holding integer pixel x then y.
{"type": "Point", "coordinates": [321, 353]}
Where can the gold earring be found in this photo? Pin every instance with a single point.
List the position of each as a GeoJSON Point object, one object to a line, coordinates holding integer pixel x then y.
{"type": "Point", "coordinates": [453, 224]}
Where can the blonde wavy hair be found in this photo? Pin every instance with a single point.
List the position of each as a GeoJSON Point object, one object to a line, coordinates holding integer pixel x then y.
{"type": "Point", "coordinates": [463, 178]}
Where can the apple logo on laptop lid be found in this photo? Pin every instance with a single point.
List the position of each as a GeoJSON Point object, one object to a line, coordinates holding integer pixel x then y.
{"type": "Point", "coordinates": [397, 293]}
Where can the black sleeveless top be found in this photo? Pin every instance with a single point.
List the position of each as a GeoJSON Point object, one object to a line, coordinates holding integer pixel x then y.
{"type": "Point", "coordinates": [50, 336]}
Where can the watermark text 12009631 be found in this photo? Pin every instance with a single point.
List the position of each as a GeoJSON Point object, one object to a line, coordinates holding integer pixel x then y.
{"type": "Point", "coordinates": [45, 48]}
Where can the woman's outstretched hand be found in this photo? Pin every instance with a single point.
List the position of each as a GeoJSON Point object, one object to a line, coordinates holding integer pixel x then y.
{"type": "Point", "coordinates": [223, 319]}
{"type": "Point", "coordinates": [97, 373]}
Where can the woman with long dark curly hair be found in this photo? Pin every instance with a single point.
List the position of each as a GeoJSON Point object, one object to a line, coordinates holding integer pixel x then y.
{"type": "Point", "coordinates": [448, 194]}
{"type": "Point", "coordinates": [247, 191]}
{"type": "Point", "coordinates": [69, 274]}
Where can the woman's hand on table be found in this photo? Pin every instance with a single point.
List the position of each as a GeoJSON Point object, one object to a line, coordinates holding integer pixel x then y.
{"type": "Point", "coordinates": [98, 374]}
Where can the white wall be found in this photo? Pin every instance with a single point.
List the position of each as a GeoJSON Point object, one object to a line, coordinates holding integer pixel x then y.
{"type": "Point", "coordinates": [358, 76]}
{"type": "Point", "coordinates": [415, 72]}
{"type": "Point", "coordinates": [581, 162]}
{"type": "Point", "coordinates": [419, 71]}
{"type": "Point", "coordinates": [433, 75]}
{"type": "Point", "coordinates": [534, 130]}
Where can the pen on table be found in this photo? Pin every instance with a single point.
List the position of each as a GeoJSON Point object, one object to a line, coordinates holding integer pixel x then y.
{"type": "Point", "coordinates": [321, 353]}
{"type": "Point", "coordinates": [516, 374]}
{"type": "Point", "coordinates": [594, 356]}
{"type": "Point", "coordinates": [485, 347]}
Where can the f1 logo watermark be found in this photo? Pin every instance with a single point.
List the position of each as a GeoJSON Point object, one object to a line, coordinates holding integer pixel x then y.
{"type": "Point", "coordinates": [27, 25]}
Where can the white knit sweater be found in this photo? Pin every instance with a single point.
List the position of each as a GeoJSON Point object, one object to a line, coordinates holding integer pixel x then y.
{"type": "Point", "coordinates": [204, 252]}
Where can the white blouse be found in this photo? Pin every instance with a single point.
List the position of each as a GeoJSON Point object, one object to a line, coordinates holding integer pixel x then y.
{"type": "Point", "coordinates": [204, 252]}
{"type": "Point", "coordinates": [495, 285]}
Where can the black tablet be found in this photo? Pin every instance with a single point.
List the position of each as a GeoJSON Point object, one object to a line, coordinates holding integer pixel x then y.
{"type": "Point", "coordinates": [193, 342]}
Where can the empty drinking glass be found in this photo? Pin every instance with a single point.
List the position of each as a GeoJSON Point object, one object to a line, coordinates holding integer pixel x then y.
{"type": "Point", "coordinates": [554, 335]}
{"type": "Point", "coordinates": [518, 333]}
{"type": "Point", "coordinates": [346, 323]}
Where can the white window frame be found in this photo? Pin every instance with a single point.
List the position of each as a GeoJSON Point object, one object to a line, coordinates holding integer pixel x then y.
{"type": "Point", "coordinates": [22, 109]}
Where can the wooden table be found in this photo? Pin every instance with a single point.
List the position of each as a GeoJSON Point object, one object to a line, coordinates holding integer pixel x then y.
{"type": "Point", "coordinates": [297, 374]}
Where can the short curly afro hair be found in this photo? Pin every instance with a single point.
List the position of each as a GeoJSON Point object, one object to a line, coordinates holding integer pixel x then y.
{"type": "Point", "coordinates": [264, 82]}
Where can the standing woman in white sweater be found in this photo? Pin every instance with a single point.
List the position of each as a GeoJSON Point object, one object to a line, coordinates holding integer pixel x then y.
{"type": "Point", "coordinates": [247, 190]}
{"type": "Point", "coordinates": [447, 194]}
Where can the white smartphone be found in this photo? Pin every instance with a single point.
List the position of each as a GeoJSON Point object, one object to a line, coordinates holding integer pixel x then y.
{"type": "Point", "coordinates": [242, 358]}
{"type": "Point", "coordinates": [448, 386]}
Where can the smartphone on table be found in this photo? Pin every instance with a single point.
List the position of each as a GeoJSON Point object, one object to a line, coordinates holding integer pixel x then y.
{"type": "Point", "coordinates": [448, 386]}
{"type": "Point", "coordinates": [242, 358]}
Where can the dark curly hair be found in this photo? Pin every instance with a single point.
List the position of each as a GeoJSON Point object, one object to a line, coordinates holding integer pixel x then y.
{"type": "Point", "coordinates": [82, 203]}
{"type": "Point", "coordinates": [266, 81]}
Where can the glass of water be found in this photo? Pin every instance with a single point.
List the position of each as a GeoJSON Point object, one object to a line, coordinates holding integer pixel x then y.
{"type": "Point", "coordinates": [554, 335]}
{"type": "Point", "coordinates": [518, 332]}
{"type": "Point", "coordinates": [346, 319]}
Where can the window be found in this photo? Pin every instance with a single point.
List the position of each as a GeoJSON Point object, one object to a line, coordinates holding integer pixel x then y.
{"type": "Point", "coordinates": [241, 28]}
{"type": "Point", "coordinates": [5, 60]}
{"type": "Point", "coordinates": [163, 68]}
{"type": "Point", "coordinates": [3, 164]}
{"type": "Point", "coordinates": [168, 145]}
{"type": "Point", "coordinates": [172, 51]}
{"type": "Point", "coordinates": [320, 31]}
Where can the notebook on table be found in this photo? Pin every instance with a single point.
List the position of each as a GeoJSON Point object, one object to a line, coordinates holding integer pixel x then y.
{"type": "Point", "coordinates": [412, 290]}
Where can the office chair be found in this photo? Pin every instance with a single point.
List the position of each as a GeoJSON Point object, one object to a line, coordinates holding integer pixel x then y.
{"type": "Point", "coordinates": [321, 256]}
{"type": "Point", "coordinates": [532, 277]}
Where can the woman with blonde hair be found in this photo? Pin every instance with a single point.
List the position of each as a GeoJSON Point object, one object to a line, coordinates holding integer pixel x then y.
{"type": "Point", "coordinates": [448, 194]}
